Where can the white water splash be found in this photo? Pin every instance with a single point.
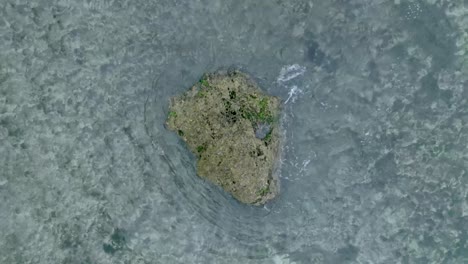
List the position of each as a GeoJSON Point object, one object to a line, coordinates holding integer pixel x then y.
{"type": "Point", "coordinates": [293, 93]}
{"type": "Point", "coordinates": [282, 259]}
{"type": "Point", "coordinates": [290, 72]}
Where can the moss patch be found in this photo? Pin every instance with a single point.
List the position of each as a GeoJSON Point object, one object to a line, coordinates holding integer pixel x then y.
{"type": "Point", "coordinates": [172, 114]}
{"type": "Point", "coordinates": [264, 191]}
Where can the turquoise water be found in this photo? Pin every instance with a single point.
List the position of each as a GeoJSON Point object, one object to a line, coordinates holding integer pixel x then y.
{"type": "Point", "coordinates": [373, 166]}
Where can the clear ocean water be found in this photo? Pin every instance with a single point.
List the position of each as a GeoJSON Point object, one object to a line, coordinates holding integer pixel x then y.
{"type": "Point", "coordinates": [375, 119]}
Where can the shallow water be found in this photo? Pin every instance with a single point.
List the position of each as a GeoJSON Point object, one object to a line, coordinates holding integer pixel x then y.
{"type": "Point", "coordinates": [375, 126]}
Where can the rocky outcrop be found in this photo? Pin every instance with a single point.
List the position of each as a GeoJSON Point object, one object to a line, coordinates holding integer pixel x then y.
{"type": "Point", "coordinates": [232, 127]}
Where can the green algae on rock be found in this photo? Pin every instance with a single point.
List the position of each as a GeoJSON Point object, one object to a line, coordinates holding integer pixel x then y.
{"type": "Point", "coordinates": [233, 129]}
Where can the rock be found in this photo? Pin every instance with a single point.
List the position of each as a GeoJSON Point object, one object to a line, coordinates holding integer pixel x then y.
{"type": "Point", "coordinates": [233, 129]}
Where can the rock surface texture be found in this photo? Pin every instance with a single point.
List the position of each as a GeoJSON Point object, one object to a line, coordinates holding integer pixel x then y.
{"type": "Point", "coordinates": [232, 127]}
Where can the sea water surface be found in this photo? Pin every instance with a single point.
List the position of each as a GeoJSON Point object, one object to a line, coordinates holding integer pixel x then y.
{"type": "Point", "coordinates": [375, 118]}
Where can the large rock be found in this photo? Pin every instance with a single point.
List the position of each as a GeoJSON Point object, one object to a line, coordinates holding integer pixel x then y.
{"type": "Point", "coordinates": [232, 127]}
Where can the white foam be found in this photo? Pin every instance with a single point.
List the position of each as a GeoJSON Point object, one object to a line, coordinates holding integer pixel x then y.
{"type": "Point", "coordinates": [292, 94]}
{"type": "Point", "coordinates": [290, 72]}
